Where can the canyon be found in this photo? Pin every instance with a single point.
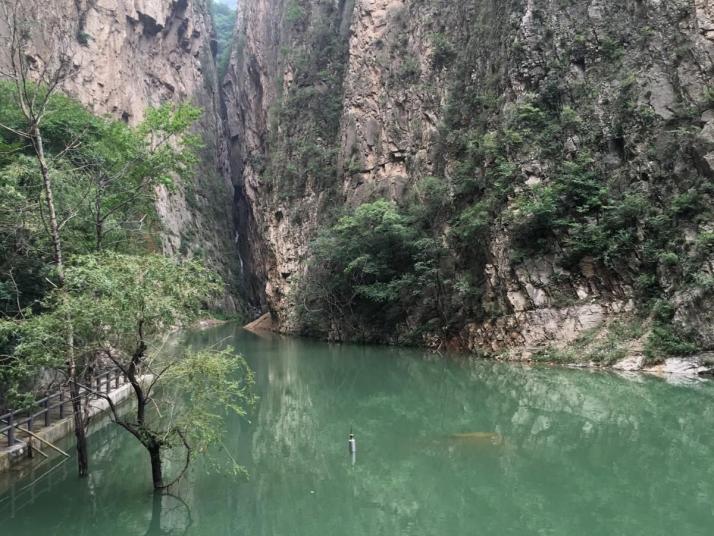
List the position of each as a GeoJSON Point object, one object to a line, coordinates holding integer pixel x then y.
{"type": "Point", "coordinates": [565, 151]}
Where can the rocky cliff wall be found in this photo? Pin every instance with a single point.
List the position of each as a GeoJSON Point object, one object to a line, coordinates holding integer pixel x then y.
{"type": "Point", "coordinates": [133, 54]}
{"type": "Point", "coordinates": [283, 97]}
{"type": "Point", "coordinates": [573, 140]}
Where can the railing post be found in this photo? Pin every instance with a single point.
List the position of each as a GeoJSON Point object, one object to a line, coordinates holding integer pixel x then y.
{"type": "Point", "coordinates": [61, 406]}
{"type": "Point", "coordinates": [109, 383]}
{"type": "Point", "coordinates": [116, 380]}
{"type": "Point", "coordinates": [11, 430]}
{"type": "Point", "coordinates": [29, 422]}
{"type": "Point", "coordinates": [47, 411]}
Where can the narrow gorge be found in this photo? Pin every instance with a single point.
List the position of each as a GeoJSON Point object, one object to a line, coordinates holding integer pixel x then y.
{"type": "Point", "coordinates": [523, 178]}
{"type": "Point", "coordinates": [281, 267]}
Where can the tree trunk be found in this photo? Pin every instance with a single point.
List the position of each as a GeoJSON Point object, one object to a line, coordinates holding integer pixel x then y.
{"type": "Point", "coordinates": [79, 427]}
{"type": "Point", "coordinates": [47, 185]}
{"type": "Point", "coordinates": [98, 220]}
{"type": "Point", "coordinates": [156, 476]}
{"type": "Point", "coordinates": [80, 432]}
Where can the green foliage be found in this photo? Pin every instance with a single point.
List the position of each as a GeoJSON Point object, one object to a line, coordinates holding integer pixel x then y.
{"type": "Point", "coordinates": [119, 307]}
{"type": "Point", "coordinates": [611, 49]}
{"type": "Point", "coordinates": [110, 300]}
{"type": "Point", "coordinates": [379, 274]}
{"type": "Point", "coordinates": [443, 51]}
{"type": "Point", "coordinates": [372, 249]}
{"type": "Point", "coordinates": [472, 225]}
{"type": "Point", "coordinates": [664, 341]}
{"type": "Point", "coordinates": [365, 269]}
{"type": "Point", "coordinates": [125, 292]}
{"type": "Point", "coordinates": [202, 388]}
{"type": "Point", "coordinates": [304, 123]}
{"type": "Point", "coordinates": [670, 259]}
{"type": "Point", "coordinates": [430, 200]}
{"type": "Point", "coordinates": [294, 13]}
{"type": "Point", "coordinates": [104, 178]}
{"type": "Point", "coordinates": [224, 22]}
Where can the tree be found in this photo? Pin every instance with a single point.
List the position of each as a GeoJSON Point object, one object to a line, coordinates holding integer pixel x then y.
{"type": "Point", "coordinates": [364, 270]}
{"type": "Point", "coordinates": [96, 175]}
{"type": "Point", "coordinates": [124, 166]}
{"type": "Point", "coordinates": [122, 305]}
{"type": "Point", "coordinates": [33, 98]}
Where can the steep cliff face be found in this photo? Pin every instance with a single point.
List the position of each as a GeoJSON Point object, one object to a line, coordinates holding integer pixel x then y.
{"type": "Point", "coordinates": [283, 94]}
{"type": "Point", "coordinates": [571, 143]}
{"type": "Point", "coordinates": [131, 55]}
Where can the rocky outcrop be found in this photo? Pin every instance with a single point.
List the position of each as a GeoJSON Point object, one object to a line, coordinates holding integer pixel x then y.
{"type": "Point", "coordinates": [131, 55]}
{"type": "Point", "coordinates": [421, 76]}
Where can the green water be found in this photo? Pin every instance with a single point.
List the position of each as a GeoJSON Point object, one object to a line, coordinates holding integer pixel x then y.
{"type": "Point", "coordinates": [581, 453]}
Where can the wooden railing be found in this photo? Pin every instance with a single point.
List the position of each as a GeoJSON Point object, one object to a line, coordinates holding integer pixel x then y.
{"type": "Point", "coordinates": [56, 406]}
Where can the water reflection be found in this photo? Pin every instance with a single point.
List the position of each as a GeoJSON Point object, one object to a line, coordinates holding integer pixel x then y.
{"type": "Point", "coordinates": [445, 447]}
{"type": "Point", "coordinates": [170, 516]}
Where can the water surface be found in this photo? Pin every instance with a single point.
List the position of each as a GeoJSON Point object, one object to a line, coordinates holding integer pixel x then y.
{"type": "Point", "coordinates": [445, 447]}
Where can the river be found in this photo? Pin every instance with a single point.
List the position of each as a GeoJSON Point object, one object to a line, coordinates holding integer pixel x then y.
{"type": "Point", "coordinates": [445, 446]}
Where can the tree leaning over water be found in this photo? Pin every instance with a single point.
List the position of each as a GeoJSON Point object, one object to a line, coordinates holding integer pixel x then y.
{"type": "Point", "coordinates": [122, 306]}
{"type": "Point", "coordinates": [125, 303]}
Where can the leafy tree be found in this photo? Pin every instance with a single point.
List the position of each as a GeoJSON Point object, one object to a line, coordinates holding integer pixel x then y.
{"type": "Point", "coordinates": [124, 166]}
{"type": "Point", "coordinates": [120, 306]}
{"type": "Point", "coordinates": [368, 272]}
{"type": "Point", "coordinates": [68, 181]}
{"type": "Point", "coordinates": [33, 104]}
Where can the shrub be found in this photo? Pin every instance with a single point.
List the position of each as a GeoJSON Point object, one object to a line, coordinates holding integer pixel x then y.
{"type": "Point", "coordinates": [670, 259]}
{"type": "Point", "coordinates": [294, 13]}
{"type": "Point", "coordinates": [429, 200]}
{"type": "Point", "coordinates": [664, 342]}
{"type": "Point", "coordinates": [473, 224]}
{"type": "Point", "coordinates": [443, 52]}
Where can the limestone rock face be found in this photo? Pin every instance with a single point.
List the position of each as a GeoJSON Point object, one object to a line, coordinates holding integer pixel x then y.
{"type": "Point", "coordinates": [397, 87]}
{"type": "Point", "coordinates": [397, 82]}
{"type": "Point", "coordinates": [275, 244]}
{"type": "Point", "coordinates": [129, 55]}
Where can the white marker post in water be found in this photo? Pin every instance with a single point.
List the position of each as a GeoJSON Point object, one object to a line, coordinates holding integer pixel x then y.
{"type": "Point", "coordinates": [352, 446]}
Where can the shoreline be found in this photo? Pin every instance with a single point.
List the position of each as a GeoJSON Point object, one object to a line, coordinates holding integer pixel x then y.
{"type": "Point", "coordinates": [697, 366]}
